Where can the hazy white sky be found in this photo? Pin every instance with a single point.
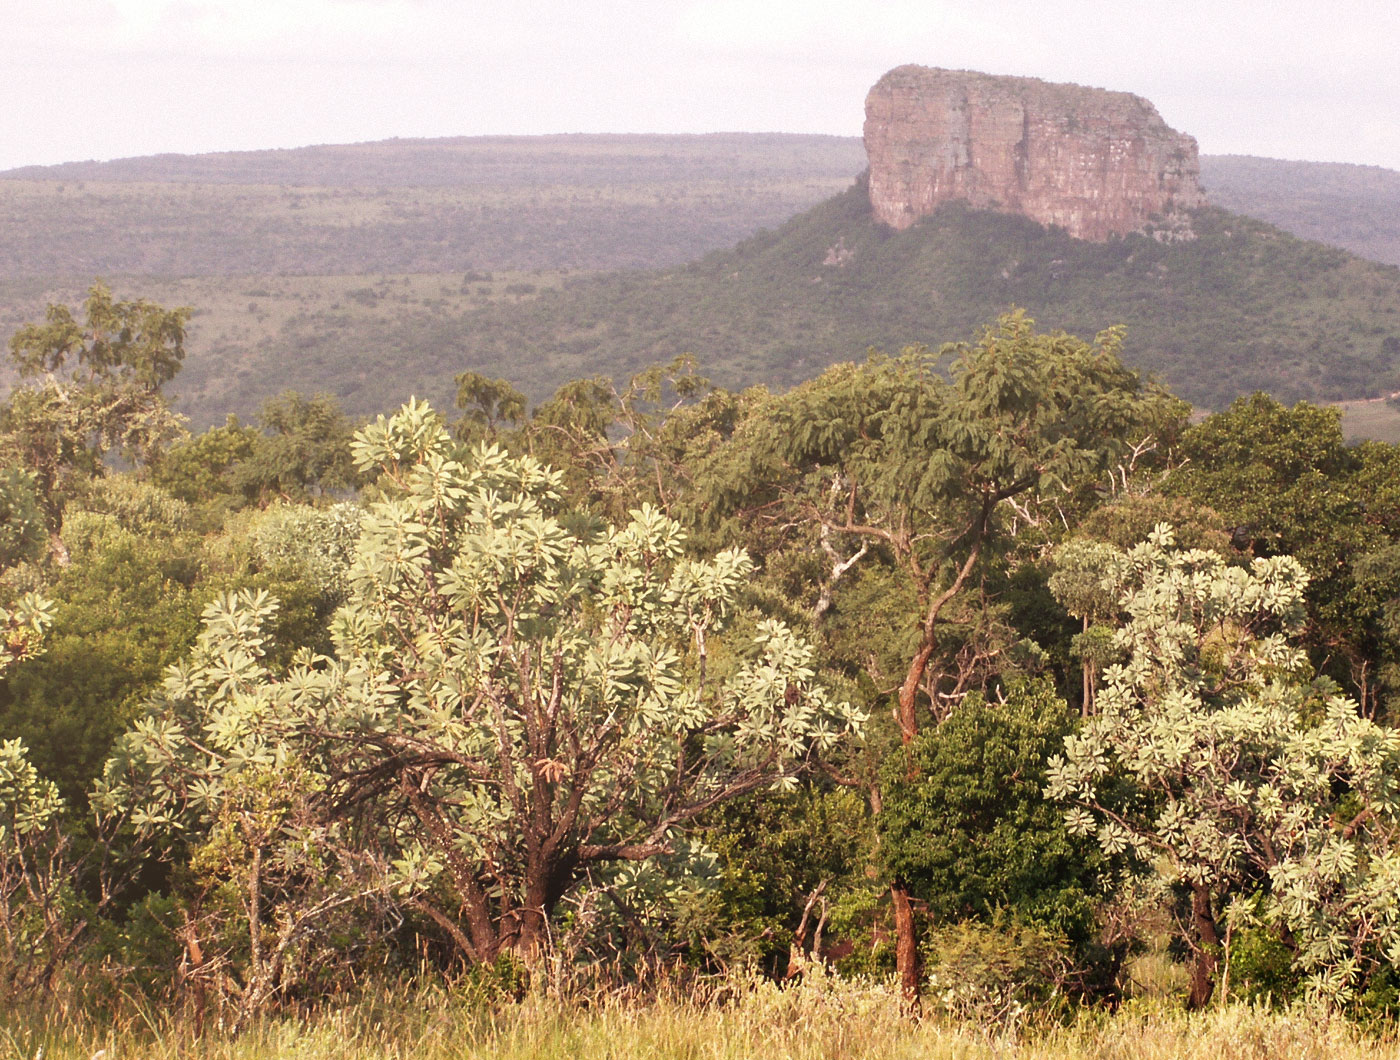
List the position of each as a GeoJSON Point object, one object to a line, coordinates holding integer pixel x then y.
{"type": "Point", "coordinates": [1311, 79]}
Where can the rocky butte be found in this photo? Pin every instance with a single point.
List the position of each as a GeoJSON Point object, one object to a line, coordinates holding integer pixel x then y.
{"type": "Point", "coordinates": [1096, 163]}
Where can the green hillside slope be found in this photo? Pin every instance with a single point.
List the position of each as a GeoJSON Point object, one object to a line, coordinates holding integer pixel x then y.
{"type": "Point", "coordinates": [1353, 207]}
{"type": "Point", "coordinates": [1243, 307]}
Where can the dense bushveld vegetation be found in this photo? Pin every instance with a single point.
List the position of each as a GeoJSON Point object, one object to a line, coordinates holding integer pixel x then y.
{"type": "Point", "coordinates": [972, 679]}
{"type": "Point", "coordinates": [1243, 307]}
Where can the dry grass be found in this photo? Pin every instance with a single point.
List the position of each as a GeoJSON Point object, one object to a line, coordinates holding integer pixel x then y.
{"type": "Point", "coordinates": [823, 1019]}
{"type": "Point", "coordinates": [1378, 420]}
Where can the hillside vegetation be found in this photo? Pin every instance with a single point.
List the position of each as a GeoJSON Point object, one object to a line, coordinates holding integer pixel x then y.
{"type": "Point", "coordinates": [1353, 207]}
{"type": "Point", "coordinates": [379, 270]}
{"type": "Point", "coordinates": [576, 202]}
{"type": "Point", "coordinates": [1242, 308]}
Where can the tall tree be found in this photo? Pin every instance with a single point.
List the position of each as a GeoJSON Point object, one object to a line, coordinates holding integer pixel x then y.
{"type": "Point", "coordinates": [100, 393]}
{"type": "Point", "coordinates": [521, 696]}
{"type": "Point", "coordinates": [1243, 777]}
{"type": "Point", "coordinates": [893, 461]}
{"type": "Point", "coordinates": [1286, 483]}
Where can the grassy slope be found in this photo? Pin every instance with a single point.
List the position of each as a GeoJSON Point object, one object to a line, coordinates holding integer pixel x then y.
{"type": "Point", "coordinates": [1378, 420]}
{"type": "Point", "coordinates": [1356, 208]}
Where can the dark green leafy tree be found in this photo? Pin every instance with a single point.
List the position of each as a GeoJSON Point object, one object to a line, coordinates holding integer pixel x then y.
{"type": "Point", "coordinates": [890, 455]}
{"type": "Point", "coordinates": [99, 394]}
{"type": "Point", "coordinates": [1285, 483]}
{"type": "Point", "coordinates": [127, 605]}
{"type": "Point", "coordinates": [124, 609]}
{"type": "Point", "coordinates": [201, 470]}
{"type": "Point", "coordinates": [619, 447]}
{"type": "Point", "coordinates": [118, 343]}
{"type": "Point", "coordinates": [932, 475]}
{"type": "Point", "coordinates": [969, 828]}
{"type": "Point", "coordinates": [787, 862]}
{"type": "Point", "coordinates": [303, 452]}
{"type": "Point", "coordinates": [298, 452]}
{"type": "Point", "coordinates": [489, 406]}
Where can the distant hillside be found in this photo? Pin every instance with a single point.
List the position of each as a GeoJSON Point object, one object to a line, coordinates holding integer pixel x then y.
{"type": "Point", "coordinates": [1243, 307]}
{"type": "Point", "coordinates": [1353, 207]}
{"type": "Point", "coordinates": [587, 159]}
{"type": "Point", "coordinates": [445, 205]}
{"type": "Point", "coordinates": [376, 270]}
{"type": "Point", "coordinates": [592, 202]}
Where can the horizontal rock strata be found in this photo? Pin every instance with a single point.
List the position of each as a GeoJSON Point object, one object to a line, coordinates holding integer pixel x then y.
{"type": "Point", "coordinates": [1095, 162]}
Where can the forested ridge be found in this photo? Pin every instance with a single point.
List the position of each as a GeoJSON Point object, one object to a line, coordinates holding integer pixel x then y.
{"type": "Point", "coordinates": [1243, 307]}
{"type": "Point", "coordinates": [974, 668]}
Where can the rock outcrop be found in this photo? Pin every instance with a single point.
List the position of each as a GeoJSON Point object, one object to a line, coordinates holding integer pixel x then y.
{"type": "Point", "coordinates": [1095, 162]}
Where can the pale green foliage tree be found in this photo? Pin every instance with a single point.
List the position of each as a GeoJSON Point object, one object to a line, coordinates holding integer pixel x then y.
{"type": "Point", "coordinates": [22, 627]}
{"type": "Point", "coordinates": [520, 696]}
{"type": "Point", "coordinates": [315, 544]}
{"type": "Point", "coordinates": [228, 764]}
{"type": "Point", "coordinates": [1078, 584]}
{"type": "Point", "coordinates": [29, 811]}
{"type": "Point", "coordinates": [22, 530]}
{"type": "Point", "coordinates": [1241, 775]}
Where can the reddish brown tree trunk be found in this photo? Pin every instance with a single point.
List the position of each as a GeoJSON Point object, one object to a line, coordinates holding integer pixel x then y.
{"type": "Point", "coordinates": [906, 714]}
{"type": "Point", "coordinates": [1207, 948]}
{"type": "Point", "coordinates": [533, 918]}
{"type": "Point", "coordinates": [906, 945]}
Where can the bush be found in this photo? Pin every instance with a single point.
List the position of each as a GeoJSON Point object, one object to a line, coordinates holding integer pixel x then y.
{"type": "Point", "coordinates": [971, 832]}
{"type": "Point", "coordinates": [1261, 967]}
{"type": "Point", "coordinates": [997, 974]}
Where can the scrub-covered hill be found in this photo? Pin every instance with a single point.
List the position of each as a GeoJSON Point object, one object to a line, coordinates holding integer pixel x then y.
{"type": "Point", "coordinates": [1243, 307]}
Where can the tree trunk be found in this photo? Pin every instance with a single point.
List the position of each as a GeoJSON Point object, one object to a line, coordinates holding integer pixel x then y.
{"type": "Point", "coordinates": [1086, 705]}
{"type": "Point", "coordinates": [1207, 948]}
{"type": "Point", "coordinates": [906, 951]}
{"type": "Point", "coordinates": [533, 918]}
{"type": "Point", "coordinates": [907, 711]}
{"type": "Point", "coordinates": [907, 714]}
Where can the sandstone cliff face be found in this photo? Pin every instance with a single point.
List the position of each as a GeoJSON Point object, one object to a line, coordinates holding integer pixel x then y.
{"type": "Point", "coordinates": [1098, 163]}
